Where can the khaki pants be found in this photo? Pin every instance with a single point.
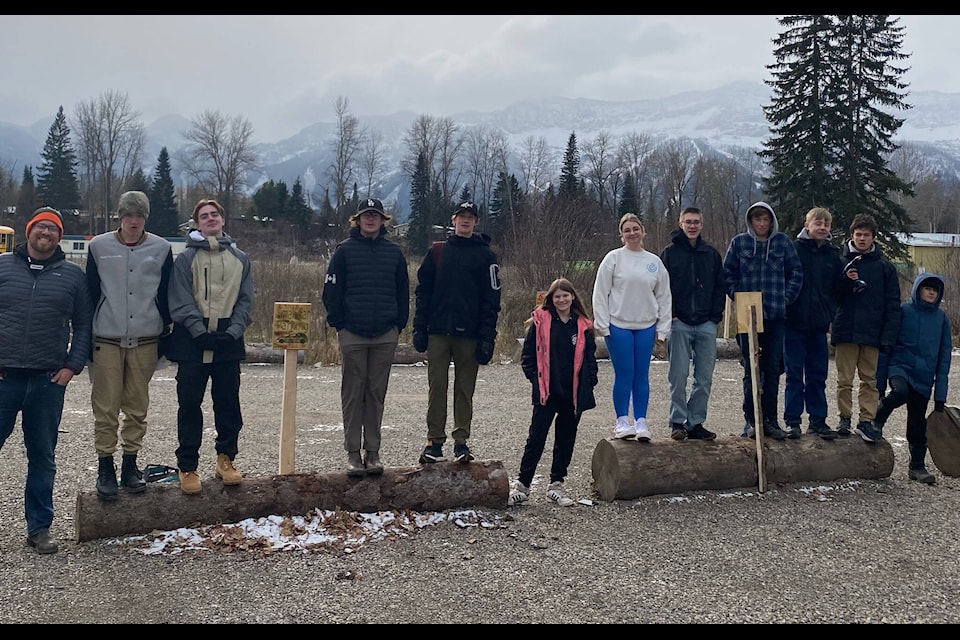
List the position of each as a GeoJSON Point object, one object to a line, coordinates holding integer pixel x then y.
{"type": "Point", "coordinates": [861, 359]}
{"type": "Point", "coordinates": [440, 351]}
{"type": "Point", "coordinates": [365, 363]}
{"type": "Point", "coordinates": [121, 382]}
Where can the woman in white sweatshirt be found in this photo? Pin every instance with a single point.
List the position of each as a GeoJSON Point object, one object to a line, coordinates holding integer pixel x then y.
{"type": "Point", "coordinates": [632, 307]}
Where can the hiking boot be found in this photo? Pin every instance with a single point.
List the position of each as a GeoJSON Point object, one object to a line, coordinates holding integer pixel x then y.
{"type": "Point", "coordinates": [793, 431]}
{"type": "Point", "coordinates": [131, 478]}
{"type": "Point", "coordinates": [190, 482]}
{"type": "Point", "coordinates": [678, 431]}
{"type": "Point", "coordinates": [922, 475]}
{"type": "Point", "coordinates": [43, 542]}
{"type": "Point", "coordinates": [642, 433]}
{"type": "Point", "coordinates": [519, 493]}
{"type": "Point", "coordinates": [843, 427]}
{"type": "Point", "coordinates": [699, 432]}
{"type": "Point", "coordinates": [556, 494]}
{"type": "Point", "coordinates": [355, 466]}
{"type": "Point", "coordinates": [373, 464]}
{"type": "Point", "coordinates": [432, 453]}
{"type": "Point", "coordinates": [772, 430]}
{"type": "Point", "coordinates": [106, 479]}
{"type": "Point", "coordinates": [822, 429]}
{"type": "Point", "coordinates": [624, 430]}
{"type": "Point", "coordinates": [461, 453]}
{"type": "Point", "coordinates": [868, 431]}
{"type": "Point", "coordinates": [226, 471]}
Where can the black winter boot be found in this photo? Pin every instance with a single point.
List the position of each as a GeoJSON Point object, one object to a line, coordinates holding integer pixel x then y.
{"type": "Point", "coordinates": [106, 479]}
{"type": "Point", "coordinates": [918, 470]}
{"type": "Point", "coordinates": [131, 478]}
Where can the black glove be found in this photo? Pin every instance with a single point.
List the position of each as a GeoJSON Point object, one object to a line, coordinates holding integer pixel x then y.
{"type": "Point", "coordinates": [222, 338]}
{"type": "Point", "coordinates": [206, 341]}
{"type": "Point", "coordinates": [938, 406]}
{"type": "Point", "coordinates": [420, 340]}
{"type": "Point", "coordinates": [484, 352]}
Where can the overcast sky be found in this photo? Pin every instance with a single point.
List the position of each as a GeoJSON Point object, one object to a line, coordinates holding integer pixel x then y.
{"type": "Point", "coordinates": [285, 72]}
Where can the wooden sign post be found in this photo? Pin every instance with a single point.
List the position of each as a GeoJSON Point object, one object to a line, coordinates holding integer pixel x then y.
{"type": "Point", "coordinates": [750, 321]}
{"type": "Point", "coordinates": [291, 327]}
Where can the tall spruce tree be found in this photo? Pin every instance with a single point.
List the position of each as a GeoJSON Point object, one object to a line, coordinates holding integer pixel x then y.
{"type": "Point", "coordinates": [629, 202]}
{"type": "Point", "coordinates": [299, 211]}
{"type": "Point", "coordinates": [163, 219]}
{"type": "Point", "coordinates": [421, 216]}
{"type": "Point", "coordinates": [833, 79]}
{"type": "Point", "coordinates": [57, 184]}
{"type": "Point", "coordinates": [27, 200]}
{"type": "Point", "coordinates": [570, 183]}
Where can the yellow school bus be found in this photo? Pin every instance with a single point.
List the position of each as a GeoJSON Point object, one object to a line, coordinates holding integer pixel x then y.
{"type": "Point", "coordinates": [6, 239]}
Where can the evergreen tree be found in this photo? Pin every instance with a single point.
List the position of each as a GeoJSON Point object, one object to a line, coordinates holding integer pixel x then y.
{"type": "Point", "coordinates": [421, 216]}
{"type": "Point", "coordinates": [266, 201]}
{"type": "Point", "coordinates": [137, 181]}
{"type": "Point", "coordinates": [505, 203]}
{"type": "Point", "coordinates": [832, 80]}
{"type": "Point", "coordinates": [27, 202]}
{"type": "Point", "coordinates": [57, 185]}
{"type": "Point", "coordinates": [570, 183]}
{"type": "Point", "coordinates": [629, 202]}
{"type": "Point", "coordinates": [163, 219]}
{"type": "Point", "coordinates": [299, 211]}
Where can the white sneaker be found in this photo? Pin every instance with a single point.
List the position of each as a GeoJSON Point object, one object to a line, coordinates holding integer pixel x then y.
{"type": "Point", "coordinates": [519, 493]}
{"type": "Point", "coordinates": [623, 428]}
{"type": "Point", "coordinates": [643, 434]}
{"type": "Point", "coordinates": [555, 493]}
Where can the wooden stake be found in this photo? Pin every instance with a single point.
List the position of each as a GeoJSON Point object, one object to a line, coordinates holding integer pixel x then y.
{"type": "Point", "coordinates": [288, 412]}
{"type": "Point", "coordinates": [757, 408]}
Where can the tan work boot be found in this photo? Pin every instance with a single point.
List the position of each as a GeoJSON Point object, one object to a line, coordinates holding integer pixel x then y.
{"type": "Point", "coordinates": [189, 482]}
{"type": "Point", "coordinates": [226, 471]}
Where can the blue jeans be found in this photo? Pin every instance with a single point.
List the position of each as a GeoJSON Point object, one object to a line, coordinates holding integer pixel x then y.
{"type": "Point", "coordinates": [770, 365]}
{"type": "Point", "coordinates": [698, 342]}
{"type": "Point", "coordinates": [806, 355]}
{"type": "Point", "coordinates": [40, 403]}
{"type": "Point", "coordinates": [630, 352]}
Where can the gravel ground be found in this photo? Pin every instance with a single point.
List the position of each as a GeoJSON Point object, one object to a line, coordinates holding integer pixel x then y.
{"type": "Point", "coordinates": [849, 551]}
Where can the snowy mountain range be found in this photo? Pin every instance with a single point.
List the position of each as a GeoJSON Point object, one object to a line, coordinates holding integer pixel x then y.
{"type": "Point", "coordinates": [727, 117]}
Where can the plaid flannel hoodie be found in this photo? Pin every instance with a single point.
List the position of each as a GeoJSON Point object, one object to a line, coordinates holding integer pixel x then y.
{"type": "Point", "coordinates": [771, 267]}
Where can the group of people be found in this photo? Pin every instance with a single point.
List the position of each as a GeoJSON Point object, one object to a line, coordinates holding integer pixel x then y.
{"type": "Point", "coordinates": [134, 304]}
{"type": "Point", "coordinates": [131, 305]}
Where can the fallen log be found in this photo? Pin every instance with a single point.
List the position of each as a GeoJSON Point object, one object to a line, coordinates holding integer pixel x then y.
{"type": "Point", "coordinates": [943, 440]}
{"type": "Point", "coordinates": [435, 487]}
{"type": "Point", "coordinates": [626, 469]}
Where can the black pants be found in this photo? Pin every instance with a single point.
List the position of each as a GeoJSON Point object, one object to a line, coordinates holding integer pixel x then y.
{"type": "Point", "coordinates": [224, 391]}
{"type": "Point", "coordinates": [564, 437]}
{"type": "Point", "coordinates": [902, 393]}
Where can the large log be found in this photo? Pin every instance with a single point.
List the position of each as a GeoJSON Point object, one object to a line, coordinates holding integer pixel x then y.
{"type": "Point", "coordinates": [943, 440]}
{"type": "Point", "coordinates": [435, 487]}
{"type": "Point", "coordinates": [626, 469]}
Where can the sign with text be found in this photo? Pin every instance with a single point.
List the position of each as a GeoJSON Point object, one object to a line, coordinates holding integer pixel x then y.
{"type": "Point", "coordinates": [291, 325]}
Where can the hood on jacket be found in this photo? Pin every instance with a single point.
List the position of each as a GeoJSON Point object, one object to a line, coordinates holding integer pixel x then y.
{"type": "Point", "coordinates": [803, 235]}
{"type": "Point", "coordinates": [196, 239]}
{"type": "Point", "coordinates": [930, 279]}
{"type": "Point", "coordinates": [774, 225]}
{"type": "Point", "coordinates": [677, 236]}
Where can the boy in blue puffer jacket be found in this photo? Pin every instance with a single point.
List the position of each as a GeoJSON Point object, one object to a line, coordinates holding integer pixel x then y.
{"type": "Point", "coordinates": [918, 366]}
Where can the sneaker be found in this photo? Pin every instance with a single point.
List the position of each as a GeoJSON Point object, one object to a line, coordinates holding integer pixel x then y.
{"type": "Point", "coordinates": [678, 431]}
{"type": "Point", "coordinates": [793, 431]}
{"type": "Point", "coordinates": [922, 475]}
{"type": "Point", "coordinates": [43, 542]}
{"type": "Point", "coordinates": [698, 432]}
{"type": "Point", "coordinates": [519, 493]}
{"type": "Point", "coordinates": [461, 452]}
{"type": "Point", "coordinates": [821, 428]}
{"type": "Point", "coordinates": [624, 430]}
{"type": "Point", "coordinates": [772, 430]}
{"type": "Point", "coordinates": [226, 471]}
{"type": "Point", "coordinates": [868, 431]}
{"type": "Point", "coordinates": [190, 482]}
{"type": "Point", "coordinates": [843, 427]}
{"type": "Point", "coordinates": [555, 493]}
{"type": "Point", "coordinates": [432, 453]}
{"type": "Point", "coordinates": [642, 433]}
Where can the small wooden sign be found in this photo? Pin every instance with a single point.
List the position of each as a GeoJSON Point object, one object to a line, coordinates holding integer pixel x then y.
{"type": "Point", "coordinates": [291, 325]}
{"type": "Point", "coordinates": [743, 300]}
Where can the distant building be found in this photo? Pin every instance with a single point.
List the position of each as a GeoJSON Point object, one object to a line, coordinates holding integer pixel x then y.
{"type": "Point", "coordinates": [932, 252]}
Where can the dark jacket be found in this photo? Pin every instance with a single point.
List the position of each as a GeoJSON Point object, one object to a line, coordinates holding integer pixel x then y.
{"type": "Point", "coordinates": [211, 289]}
{"type": "Point", "coordinates": [924, 344]}
{"type": "Point", "coordinates": [460, 296]}
{"type": "Point", "coordinates": [696, 279]}
{"type": "Point", "coordinates": [815, 307]}
{"type": "Point", "coordinates": [560, 359]}
{"type": "Point", "coordinates": [45, 314]}
{"type": "Point", "coordinates": [870, 317]}
{"type": "Point", "coordinates": [367, 287]}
